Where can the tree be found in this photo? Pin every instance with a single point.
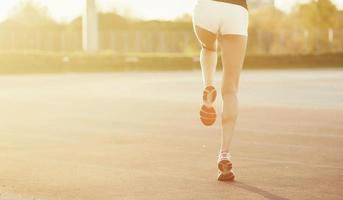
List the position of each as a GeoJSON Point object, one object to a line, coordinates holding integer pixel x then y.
{"type": "Point", "coordinates": [316, 14]}
{"type": "Point", "coordinates": [265, 24]}
{"type": "Point", "coordinates": [267, 18]}
{"type": "Point", "coordinates": [184, 18]}
{"type": "Point", "coordinates": [339, 21]}
{"type": "Point", "coordinates": [31, 15]}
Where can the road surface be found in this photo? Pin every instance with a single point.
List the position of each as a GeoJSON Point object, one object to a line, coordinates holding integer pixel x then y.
{"type": "Point", "coordinates": [137, 136]}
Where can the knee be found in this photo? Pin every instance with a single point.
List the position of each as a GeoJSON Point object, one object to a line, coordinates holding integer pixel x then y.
{"type": "Point", "coordinates": [209, 47]}
{"type": "Point", "coordinates": [230, 105]}
{"type": "Point", "coordinates": [229, 114]}
{"type": "Point", "coordinates": [229, 92]}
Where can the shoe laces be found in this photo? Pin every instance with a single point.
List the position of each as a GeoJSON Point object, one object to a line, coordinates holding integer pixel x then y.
{"type": "Point", "coordinates": [224, 156]}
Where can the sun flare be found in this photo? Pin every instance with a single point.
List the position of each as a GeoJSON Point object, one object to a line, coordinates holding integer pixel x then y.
{"type": "Point", "coordinates": [66, 10]}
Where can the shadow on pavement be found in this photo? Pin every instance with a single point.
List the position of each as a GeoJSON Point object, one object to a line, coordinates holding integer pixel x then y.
{"type": "Point", "coordinates": [257, 190]}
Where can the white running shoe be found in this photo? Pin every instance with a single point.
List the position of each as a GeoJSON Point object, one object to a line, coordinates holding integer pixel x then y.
{"type": "Point", "coordinates": [225, 167]}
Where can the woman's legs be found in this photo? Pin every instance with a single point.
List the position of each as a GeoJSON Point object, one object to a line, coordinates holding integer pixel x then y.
{"type": "Point", "coordinates": [208, 54]}
{"type": "Point", "coordinates": [233, 53]}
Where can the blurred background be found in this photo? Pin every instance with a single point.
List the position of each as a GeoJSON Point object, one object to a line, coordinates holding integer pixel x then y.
{"type": "Point", "coordinates": [135, 134]}
{"type": "Point", "coordinates": [281, 33]}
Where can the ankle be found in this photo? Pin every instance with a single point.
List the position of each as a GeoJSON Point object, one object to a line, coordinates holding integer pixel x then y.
{"type": "Point", "coordinates": [224, 156]}
{"type": "Point", "coordinates": [224, 151]}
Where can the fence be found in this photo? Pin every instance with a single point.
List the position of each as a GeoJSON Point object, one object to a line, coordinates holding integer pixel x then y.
{"type": "Point", "coordinates": [260, 42]}
{"type": "Point", "coordinates": [296, 42]}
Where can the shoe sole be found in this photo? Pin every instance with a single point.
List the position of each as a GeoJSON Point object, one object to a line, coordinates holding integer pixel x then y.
{"type": "Point", "coordinates": [225, 171]}
{"type": "Point", "coordinates": [208, 113]}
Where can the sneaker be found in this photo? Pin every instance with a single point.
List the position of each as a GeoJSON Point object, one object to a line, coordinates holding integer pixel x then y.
{"type": "Point", "coordinates": [208, 114]}
{"type": "Point", "coordinates": [225, 167]}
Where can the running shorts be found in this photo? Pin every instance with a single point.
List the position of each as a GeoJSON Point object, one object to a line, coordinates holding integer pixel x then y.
{"type": "Point", "coordinates": [221, 18]}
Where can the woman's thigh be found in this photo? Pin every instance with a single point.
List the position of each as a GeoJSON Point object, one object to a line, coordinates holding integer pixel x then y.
{"type": "Point", "coordinates": [233, 54]}
{"type": "Point", "coordinates": [206, 38]}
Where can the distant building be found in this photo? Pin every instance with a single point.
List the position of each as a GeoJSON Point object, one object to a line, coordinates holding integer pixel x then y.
{"type": "Point", "coordinates": [255, 4]}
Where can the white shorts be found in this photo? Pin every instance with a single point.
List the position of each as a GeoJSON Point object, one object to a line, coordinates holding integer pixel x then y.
{"type": "Point", "coordinates": [221, 18]}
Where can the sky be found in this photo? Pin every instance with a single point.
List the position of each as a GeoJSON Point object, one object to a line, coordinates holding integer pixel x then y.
{"type": "Point", "coordinates": [66, 10]}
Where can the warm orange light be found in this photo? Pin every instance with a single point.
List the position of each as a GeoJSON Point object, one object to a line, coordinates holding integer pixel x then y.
{"type": "Point", "coordinates": [65, 10]}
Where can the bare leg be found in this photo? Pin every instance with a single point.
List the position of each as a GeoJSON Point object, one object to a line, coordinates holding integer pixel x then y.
{"type": "Point", "coordinates": [233, 54]}
{"type": "Point", "coordinates": [208, 54]}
